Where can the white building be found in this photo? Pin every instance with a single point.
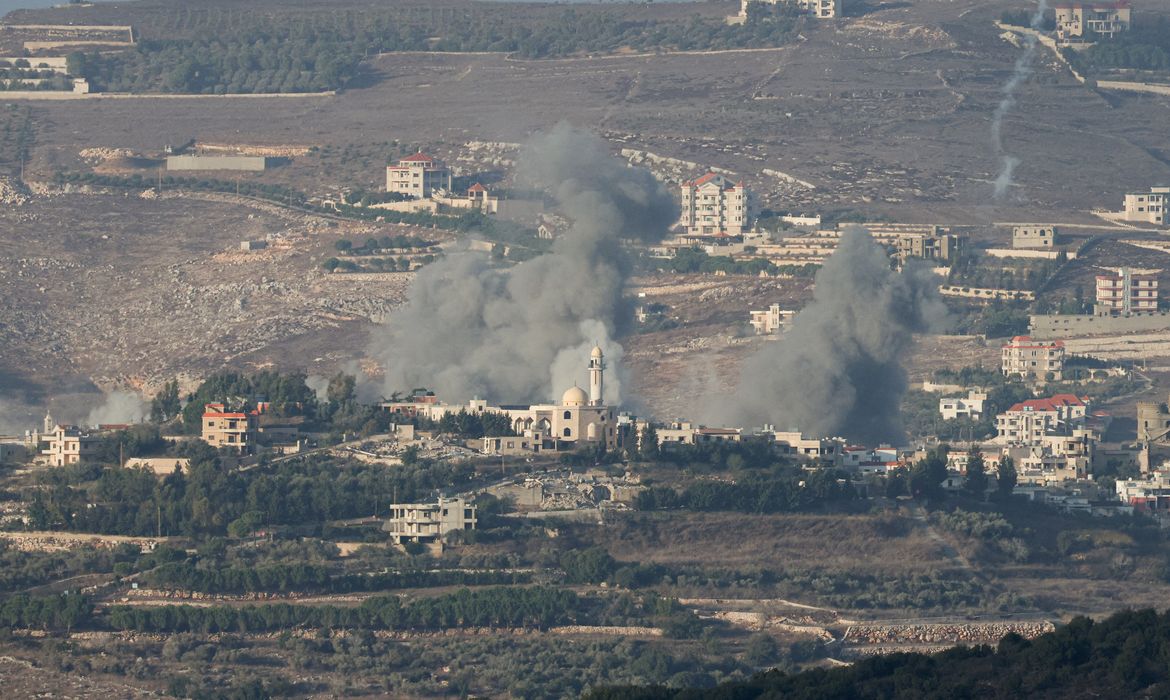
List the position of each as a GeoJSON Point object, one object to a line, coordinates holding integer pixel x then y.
{"type": "Point", "coordinates": [1029, 422]}
{"type": "Point", "coordinates": [971, 406]}
{"type": "Point", "coordinates": [821, 9]}
{"type": "Point", "coordinates": [418, 176]}
{"type": "Point", "coordinates": [712, 205]}
{"type": "Point", "coordinates": [684, 433]}
{"type": "Point", "coordinates": [1027, 358]}
{"type": "Point", "coordinates": [772, 320]}
{"type": "Point", "coordinates": [1151, 494]}
{"type": "Point", "coordinates": [1147, 207]}
{"type": "Point", "coordinates": [1125, 291]}
{"type": "Point", "coordinates": [429, 522]}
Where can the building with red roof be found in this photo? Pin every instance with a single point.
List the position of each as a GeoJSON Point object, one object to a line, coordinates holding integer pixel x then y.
{"type": "Point", "coordinates": [1028, 422]}
{"type": "Point", "coordinates": [224, 428]}
{"type": "Point", "coordinates": [418, 176]}
{"type": "Point", "coordinates": [712, 205]}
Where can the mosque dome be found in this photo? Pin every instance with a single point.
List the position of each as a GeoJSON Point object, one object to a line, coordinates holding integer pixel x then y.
{"type": "Point", "coordinates": [574, 397]}
{"type": "Point", "coordinates": [596, 351]}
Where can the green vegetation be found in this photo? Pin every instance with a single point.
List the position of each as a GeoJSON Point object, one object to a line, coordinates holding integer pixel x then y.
{"type": "Point", "coordinates": [792, 492]}
{"type": "Point", "coordinates": [697, 260]}
{"type": "Point", "coordinates": [258, 52]}
{"type": "Point", "coordinates": [210, 497]}
{"type": "Point", "coordinates": [1118, 657]}
{"type": "Point", "coordinates": [1146, 46]}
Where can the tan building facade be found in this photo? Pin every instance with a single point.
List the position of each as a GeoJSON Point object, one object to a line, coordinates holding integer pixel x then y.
{"type": "Point", "coordinates": [1126, 291]}
{"type": "Point", "coordinates": [223, 428]}
{"type": "Point", "coordinates": [1147, 207]}
{"type": "Point", "coordinates": [68, 444]}
{"type": "Point", "coordinates": [712, 205]}
{"type": "Point", "coordinates": [1035, 359]}
{"type": "Point", "coordinates": [1088, 20]}
{"type": "Point", "coordinates": [429, 522]}
{"type": "Point", "coordinates": [772, 320]}
{"type": "Point", "coordinates": [1033, 237]}
{"type": "Point", "coordinates": [418, 176]}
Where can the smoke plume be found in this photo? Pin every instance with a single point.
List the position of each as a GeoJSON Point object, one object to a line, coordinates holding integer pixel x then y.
{"type": "Point", "coordinates": [837, 371]}
{"type": "Point", "coordinates": [473, 329]}
{"type": "Point", "coordinates": [17, 417]}
{"type": "Point", "coordinates": [1020, 73]}
{"type": "Point", "coordinates": [119, 407]}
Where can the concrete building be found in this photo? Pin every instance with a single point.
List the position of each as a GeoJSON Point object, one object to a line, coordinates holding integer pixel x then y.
{"type": "Point", "coordinates": [223, 428]}
{"type": "Point", "coordinates": [1029, 422]}
{"type": "Point", "coordinates": [821, 9]}
{"type": "Point", "coordinates": [928, 246]}
{"type": "Point", "coordinates": [1125, 291]}
{"type": "Point", "coordinates": [713, 206]}
{"type": "Point", "coordinates": [684, 433]}
{"type": "Point", "coordinates": [1149, 495]}
{"type": "Point", "coordinates": [429, 522]}
{"type": "Point", "coordinates": [795, 443]}
{"type": "Point", "coordinates": [418, 176]}
{"type": "Point", "coordinates": [1033, 236]}
{"type": "Point", "coordinates": [772, 320]}
{"type": "Point", "coordinates": [68, 444]}
{"type": "Point", "coordinates": [1032, 359]}
{"type": "Point", "coordinates": [1147, 207]}
{"type": "Point", "coordinates": [1078, 20]}
{"type": "Point", "coordinates": [971, 406]}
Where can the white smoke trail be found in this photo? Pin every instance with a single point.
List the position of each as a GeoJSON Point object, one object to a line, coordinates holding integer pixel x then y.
{"type": "Point", "coordinates": [1020, 73]}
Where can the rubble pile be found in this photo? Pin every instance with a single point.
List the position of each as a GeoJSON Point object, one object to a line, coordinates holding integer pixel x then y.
{"type": "Point", "coordinates": [12, 192]}
{"type": "Point", "coordinates": [944, 634]}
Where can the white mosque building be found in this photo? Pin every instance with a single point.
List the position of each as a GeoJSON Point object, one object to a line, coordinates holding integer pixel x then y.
{"type": "Point", "coordinates": [578, 418]}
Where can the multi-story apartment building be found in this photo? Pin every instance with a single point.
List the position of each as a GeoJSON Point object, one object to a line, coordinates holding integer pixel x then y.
{"type": "Point", "coordinates": [223, 428]}
{"type": "Point", "coordinates": [68, 444]}
{"type": "Point", "coordinates": [1079, 20]}
{"type": "Point", "coordinates": [1125, 291]}
{"type": "Point", "coordinates": [418, 176]}
{"type": "Point", "coordinates": [821, 9]}
{"type": "Point", "coordinates": [1037, 359]}
{"type": "Point", "coordinates": [1147, 207]}
{"type": "Point", "coordinates": [1028, 422]}
{"type": "Point", "coordinates": [772, 320]}
{"type": "Point", "coordinates": [429, 522]}
{"type": "Point", "coordinates": [712, 205]}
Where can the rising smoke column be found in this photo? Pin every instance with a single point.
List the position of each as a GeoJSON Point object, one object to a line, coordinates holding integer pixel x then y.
{"type": "Point", "coordinates": [837, 371]}
{"type": "Point", "coordinates": [471, 328]}
{"type": "Point", "coordinates": [1020, 73]}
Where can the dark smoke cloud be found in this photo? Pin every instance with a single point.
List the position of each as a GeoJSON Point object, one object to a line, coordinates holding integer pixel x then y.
{"type": "Point", "coordinates": [838, 371]}
{"type": "Point", "coordinates": [473, 329]}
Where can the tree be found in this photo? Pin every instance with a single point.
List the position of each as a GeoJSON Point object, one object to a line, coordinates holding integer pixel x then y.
{"type": "Point", "coordinates": [343, 245]}
{"type": "Point", "coordinates": [927, 475]}
{"type": "Point", "coordinates": [1006, 476]}
{"type": "Point", "coordinates": [166, 404]}
{"type": "Point", "coordinates": [648, 444]}
{"type": "Point", "coordinates": [976, 483]}
{"type": "Point", "coordinates": [77, 65]}
{"type": "Point", "coordinates": [761, 650]}
{"type": "Point", "coordinates": [341, 388]}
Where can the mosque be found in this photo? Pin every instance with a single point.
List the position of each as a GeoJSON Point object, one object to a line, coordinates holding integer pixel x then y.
{"type": "Point", "coordinates": [578, 418]}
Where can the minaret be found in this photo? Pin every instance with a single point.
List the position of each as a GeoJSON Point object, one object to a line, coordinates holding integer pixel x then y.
{"type": "Point", "coordinates": [596, 370]}
{"type": "Point", "coordinates": [50, 424]}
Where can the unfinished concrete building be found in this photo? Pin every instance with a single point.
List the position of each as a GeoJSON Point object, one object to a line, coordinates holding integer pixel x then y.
{"type": "Point", "coordinates": [1147, 207]}
{"type": "Point", "coordinates": [429, 522]}
{"type": "Point", "coordinates": [1087, 20]}
{"type": "Point", "coordinates": [1033, 237]}
{"type": "Point", "coordinates": [1032, 359]}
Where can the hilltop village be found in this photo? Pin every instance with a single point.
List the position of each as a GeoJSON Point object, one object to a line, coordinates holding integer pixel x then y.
{"type": "Point", "coordinates": [446, 348]}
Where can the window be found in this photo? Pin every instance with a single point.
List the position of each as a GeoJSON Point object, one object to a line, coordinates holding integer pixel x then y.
{"type": "Point", "coordinates": [568, 432]}
{"type": "Point", "coordinates": [568, 415]}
